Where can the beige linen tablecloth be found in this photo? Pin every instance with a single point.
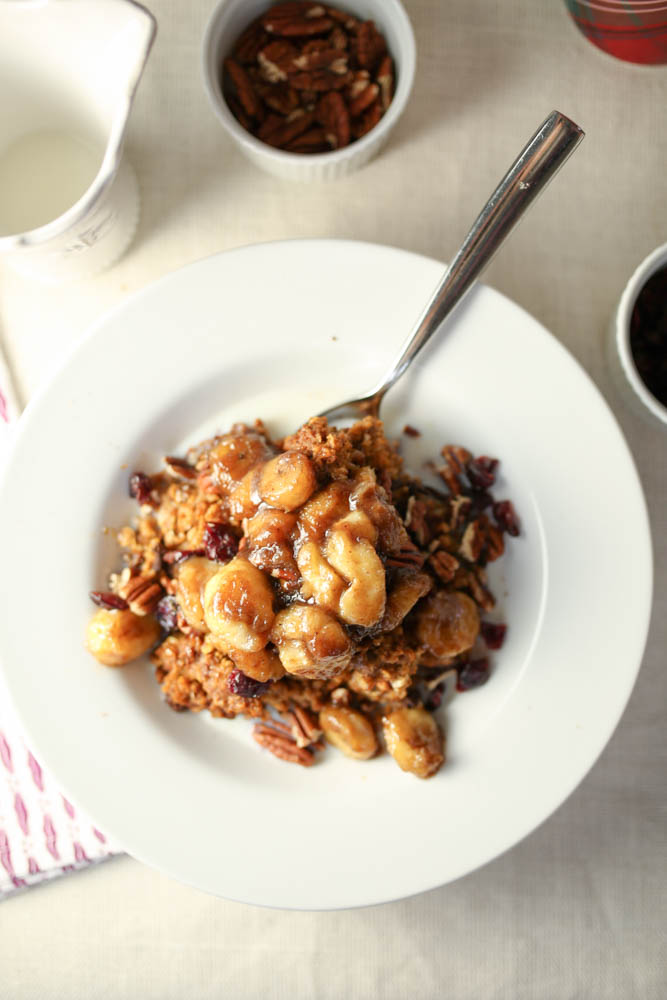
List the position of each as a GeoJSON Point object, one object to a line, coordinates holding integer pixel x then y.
{"type": "Point", "coordinates": [578, 909]}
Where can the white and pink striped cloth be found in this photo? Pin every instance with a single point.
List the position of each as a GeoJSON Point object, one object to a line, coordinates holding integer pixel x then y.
{"type": "Point", "coordinates": [42, 835]}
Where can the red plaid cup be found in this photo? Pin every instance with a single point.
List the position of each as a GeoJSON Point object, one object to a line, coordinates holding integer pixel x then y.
{"type": "Point", "coordinates": [634, 30]}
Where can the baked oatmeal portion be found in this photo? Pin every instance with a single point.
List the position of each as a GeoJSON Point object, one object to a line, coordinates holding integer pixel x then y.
{"type": "Point", "coordinates": [313, 584]}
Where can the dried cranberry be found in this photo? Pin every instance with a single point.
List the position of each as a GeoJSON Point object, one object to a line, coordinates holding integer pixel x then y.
{"type": "Point", "coordinates": [247, 687]}
{"type": "Point", "coordinates": [505, 516]}
{"type": "Point", "coordinates": [220, 544]}
{"type": "Point", "coordinates": [482, 472]}
{"type": "Point", "coordinates": [166, 613]}
{"type": "Point", "coordinates": [411, 431]}
{"type": "Point", "coordinates": [105, 599]}
{"type": "Point", "coordinates": [480, 500]}
{"type": "Point", "coordinates": [473, 675]}
{"type": "Point", "coordinates": [434, 699]}
{"type": "Point", "coordinates": [141, 487]}
{"type": "Point", "coordinates": [493, 634]}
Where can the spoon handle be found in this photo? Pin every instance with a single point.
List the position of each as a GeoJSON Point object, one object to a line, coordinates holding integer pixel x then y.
{"type": "Point", "coordinates": [538, 162]}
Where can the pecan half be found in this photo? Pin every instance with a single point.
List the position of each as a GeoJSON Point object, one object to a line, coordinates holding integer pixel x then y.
{"type": "Point", "coordinates": [249, 44]}
{"type": "Point", "coordinates": [365, 98]}
{"type": "Point", "coordinates": [370, 44]}
{"type": "Point", "coordinates": [303, 727]}
{"type": "Point", "coordinates": [319, 80]}
{"type": "Point", "coordinates": [293, 19]}
{"type": "Point", "coordinates": [367, 121]}
{"type": "Point", "coordinates": [329, 59]}
{"type": "Point", "coordinates": [406, 558]}
{"type": "Point", "coordinates": [142, 595]}
{"type": "Point", "coordinates": [495, 546]}
{"type": "Point", "coordinates": [282, 745]}
{"type": "Point", "coordinates": [385, 78]}
{"type": "Point", "coordinates": [349, 22]}
{"type": "Point", "coordinates": [315, 140]}
{"type": "Point", "coordinates": [472, 543]}
{"type": "Point", "coordinates": [289, 128]}
{"type": "Point", "coordinates": [243, 86]}
{"type": "Point", "coordinates": [276, 60]}
{"type": "Point", "coordinates": [444, 565]}
{"type": "Point", "coordinates": [335, 118]}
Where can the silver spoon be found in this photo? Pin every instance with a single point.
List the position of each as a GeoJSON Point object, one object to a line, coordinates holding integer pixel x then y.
{"type": "Point", "coordinates": [538, 162]}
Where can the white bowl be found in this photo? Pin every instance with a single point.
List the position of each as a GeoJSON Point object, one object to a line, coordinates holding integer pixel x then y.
{"type": "Point", "coordinates": [628, 379]}
{"type": "Point", "coordinates": [193, 795]}
{"type": "Point", "coordinates": [231, 17]}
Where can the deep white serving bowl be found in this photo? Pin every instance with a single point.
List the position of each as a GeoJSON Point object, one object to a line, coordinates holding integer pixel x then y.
{"type": "Point", "coordinates": [227, 22]}
{"type": "Point", "coordinates": [627, 378]}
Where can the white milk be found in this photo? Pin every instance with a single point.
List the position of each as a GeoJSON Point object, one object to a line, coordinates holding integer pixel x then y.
{"type": "Point", "coordinates": [43, 174]}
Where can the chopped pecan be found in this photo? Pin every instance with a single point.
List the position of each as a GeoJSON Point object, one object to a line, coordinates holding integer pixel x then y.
{"type": "Point", "coordinates": [459, 508]}
{"type": "Point", "coordinates": [334, 116]}
{"type": "Point", "coordinates": [281, 745]}
{"type": "Point", "coordinates": [179, 467]}
{"type": "Point", "coordinates": [474, 581]}
{"type": "Point", "coordinates": [415, 520]}
{"type": "Point", "coordinates": [106, 599]}
{"type": "Point", "coordinates": [444, 565]}
{"type": "Point", "coordinates": [472, 543]}
{"type": "Point", "coordinates": [340, 697]}
{"type": "Point", "coordinates": [446, 676]}
{"type": "Point", "coordinates": [453, 470]}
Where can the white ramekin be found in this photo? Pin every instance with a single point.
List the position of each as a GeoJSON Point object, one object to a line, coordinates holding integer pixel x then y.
{"type": "Point", "coordinates": [623, 367]}
{"type": "Point", "coordinates": [229, 19]}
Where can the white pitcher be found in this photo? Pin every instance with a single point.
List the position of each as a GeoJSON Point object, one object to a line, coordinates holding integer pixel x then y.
{"type": "Point", "coordinates": [69, 70]}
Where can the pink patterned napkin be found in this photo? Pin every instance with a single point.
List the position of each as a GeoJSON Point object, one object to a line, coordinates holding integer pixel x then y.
{"type": "Point", "coordinates": [41, 834]}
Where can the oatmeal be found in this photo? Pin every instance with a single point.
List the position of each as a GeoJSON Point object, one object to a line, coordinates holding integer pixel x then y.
{"type": "Point", "coordinates": [313, 585]}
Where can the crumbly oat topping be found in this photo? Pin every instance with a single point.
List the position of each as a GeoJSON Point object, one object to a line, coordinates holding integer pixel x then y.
{"type": "Point", "coordinates": [310, 580]}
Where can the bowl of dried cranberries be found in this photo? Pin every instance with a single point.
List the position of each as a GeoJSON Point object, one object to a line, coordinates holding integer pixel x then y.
{"type": "Point", "coordinates": [308, 90]}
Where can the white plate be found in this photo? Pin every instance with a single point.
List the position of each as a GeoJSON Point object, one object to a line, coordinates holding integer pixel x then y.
{"type": "Point", "coordinates": [280, 331]}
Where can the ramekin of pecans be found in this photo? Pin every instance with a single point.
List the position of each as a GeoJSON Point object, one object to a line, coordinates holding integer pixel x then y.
{"type": "Point", "coordinates": [639, 339]}
{"type": "Point", "coordinates": [308, 90]}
